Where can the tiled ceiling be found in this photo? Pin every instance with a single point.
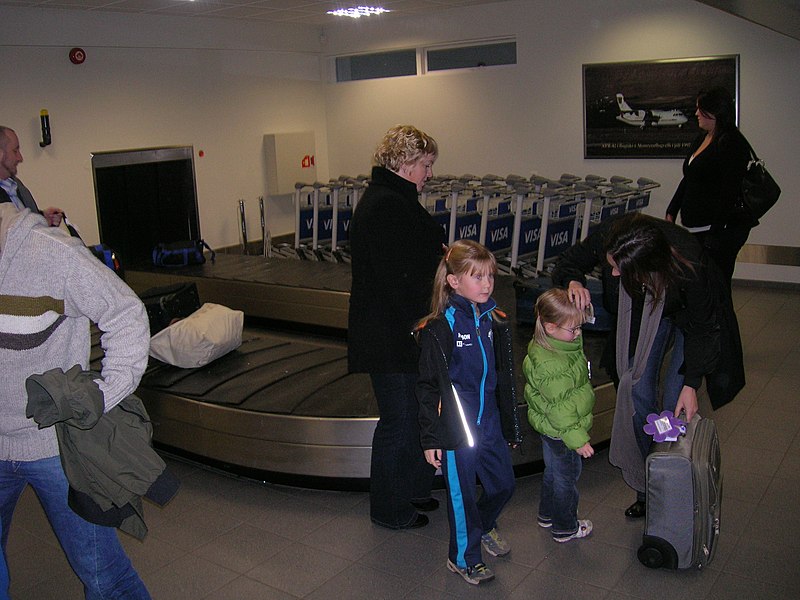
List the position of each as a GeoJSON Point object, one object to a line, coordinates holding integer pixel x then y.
{"type": "Point", "coordinates": [782, 16]}
{"type": "Point", "coordinates": [310, 12]}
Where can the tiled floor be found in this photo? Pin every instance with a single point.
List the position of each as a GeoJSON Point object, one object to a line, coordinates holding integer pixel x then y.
{"type": "Point", "coordinates": [224, 538]}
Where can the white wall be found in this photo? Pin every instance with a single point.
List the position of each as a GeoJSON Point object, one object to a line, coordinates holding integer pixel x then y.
{"type": "Point", "coordinates": [528, 118]}
{"type": "Point", "coordinates": [220, 85]}
{"type": "Point", "coordinates": [157, 81]}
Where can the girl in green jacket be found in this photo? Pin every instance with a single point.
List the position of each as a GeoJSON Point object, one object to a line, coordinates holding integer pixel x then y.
{"type": "Point", "coordinates": [560, 401]}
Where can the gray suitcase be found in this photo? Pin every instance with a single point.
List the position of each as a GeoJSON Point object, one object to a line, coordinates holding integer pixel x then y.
{"type": "Point", "coordinates": [684, 496]}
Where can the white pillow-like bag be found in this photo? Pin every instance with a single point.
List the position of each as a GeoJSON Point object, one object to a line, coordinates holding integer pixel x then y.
{"type": "Point", "coordinates": [211, 331]}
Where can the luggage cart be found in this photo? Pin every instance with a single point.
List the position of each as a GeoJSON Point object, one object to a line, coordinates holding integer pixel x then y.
{"type": "Point", "coordinates": [560, 210]}
{"type": "Point", "coordinates": [313, 219]}
{"type": "Point", "coordinates": [527, 228]}
{"type": "Point", "coordinates": [497, 223]}
{"type": "Point", "coordinates": [455, 207]}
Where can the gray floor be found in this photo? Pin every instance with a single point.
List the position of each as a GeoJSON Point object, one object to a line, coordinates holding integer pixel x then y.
{"type": "Point", "coordinates": [226, 538]}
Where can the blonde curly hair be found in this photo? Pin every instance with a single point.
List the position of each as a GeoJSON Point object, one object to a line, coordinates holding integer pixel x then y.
{"type": "Point", "coordinates": [404, 145]}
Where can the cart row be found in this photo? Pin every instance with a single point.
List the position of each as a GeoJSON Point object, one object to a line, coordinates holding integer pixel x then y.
{"type": "Point", "coordinates": [525, 222]}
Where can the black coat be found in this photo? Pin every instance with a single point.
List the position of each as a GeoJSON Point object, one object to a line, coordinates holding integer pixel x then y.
{"type": "Point", "coordinates": [708, 194]}
{"type": "Point", "coordinates": [395, 247]}
{"type": "Point", "coordinates": [700, 306]}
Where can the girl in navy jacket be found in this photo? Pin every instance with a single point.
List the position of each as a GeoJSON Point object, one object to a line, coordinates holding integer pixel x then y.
{"type": "Point", "coordinates": [467, 403]}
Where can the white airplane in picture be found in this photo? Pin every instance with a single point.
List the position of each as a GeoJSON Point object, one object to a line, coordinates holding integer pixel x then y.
{"type": "Point", "coordinates": [649, 118]}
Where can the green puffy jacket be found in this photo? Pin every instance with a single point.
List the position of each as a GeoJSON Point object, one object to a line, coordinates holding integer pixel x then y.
{"type": "Point", "coordinates": [558, 391]}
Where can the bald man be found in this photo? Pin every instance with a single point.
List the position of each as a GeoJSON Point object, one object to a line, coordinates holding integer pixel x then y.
{"type": "Point", "coordinates": [11, 189]}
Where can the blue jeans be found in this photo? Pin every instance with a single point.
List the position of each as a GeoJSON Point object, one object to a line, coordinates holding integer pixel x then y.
{"type": "Point", "coordinates": [558, 502]}
{"type": "Point", "coordinates": [646, 391]}
{"type": "Point", "coordinates": [93, 551]}
{"type": "Point", "coordinates": [399, 472]}
{"type": "Point", "coordinates": [3, 570]}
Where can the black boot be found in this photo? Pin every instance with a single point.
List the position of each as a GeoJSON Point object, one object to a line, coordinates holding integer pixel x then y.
{"type": "Point", "coordinates": [637, 510]}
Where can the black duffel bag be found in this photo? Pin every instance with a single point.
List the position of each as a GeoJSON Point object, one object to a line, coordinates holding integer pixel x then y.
{"type": "Point", "coordinates": [167, 303]}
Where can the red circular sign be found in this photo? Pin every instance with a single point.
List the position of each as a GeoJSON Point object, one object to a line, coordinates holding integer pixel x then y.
{"type": "Point", "coordinates": [77, 56]}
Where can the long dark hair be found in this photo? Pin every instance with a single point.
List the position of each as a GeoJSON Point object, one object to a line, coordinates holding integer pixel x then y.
{"type": "Point", "coordinates": [718, 103]}
{"type": "Point", "coordinates": [645, 259]}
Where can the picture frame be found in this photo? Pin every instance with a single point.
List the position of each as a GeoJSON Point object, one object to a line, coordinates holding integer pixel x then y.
{"type": "Point", "coordinates": [646, 109]}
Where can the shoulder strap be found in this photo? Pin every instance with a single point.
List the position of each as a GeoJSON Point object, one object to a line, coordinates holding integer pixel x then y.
{"type": "Point", "coordinates": [210, 249]}
{"type": "Point", "coordinates": [753, 156]}
{"type": "Point", "coordinates": [70, 227]}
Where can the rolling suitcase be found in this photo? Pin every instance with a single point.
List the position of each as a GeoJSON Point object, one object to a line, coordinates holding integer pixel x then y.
{"type": "Point", "coordinates": [684, 496]}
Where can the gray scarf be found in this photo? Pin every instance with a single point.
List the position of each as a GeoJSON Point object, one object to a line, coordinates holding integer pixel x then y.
{"type": "Point", "coordinates": [624, 452]}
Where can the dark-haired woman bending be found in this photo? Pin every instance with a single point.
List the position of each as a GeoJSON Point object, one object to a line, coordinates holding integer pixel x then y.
{"type": "Point", "coordinates": [663, 288]}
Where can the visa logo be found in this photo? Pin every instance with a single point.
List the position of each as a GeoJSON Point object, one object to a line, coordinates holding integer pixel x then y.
{"type": "Point", "coordinates": [532, 236]}
{"type": "Point", "coordinates": [557, 239]}
{"type": "Point", "coordinates": [500, 234]}
{"type": "Point", "coordinates": [468, 230]}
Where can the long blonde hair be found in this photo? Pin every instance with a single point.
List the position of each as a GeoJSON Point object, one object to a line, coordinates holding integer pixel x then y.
{"type": "Point", "coordinates": [554, 306]}
{"type": "Point", "coordinates": [463, 257]}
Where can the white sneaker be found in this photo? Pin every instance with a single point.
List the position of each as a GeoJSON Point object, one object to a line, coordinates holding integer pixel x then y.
{"type": "Point", "coordinates": [584, 529]}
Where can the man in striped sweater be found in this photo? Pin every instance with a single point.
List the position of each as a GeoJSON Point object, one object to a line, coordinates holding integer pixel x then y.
{"type": "Point", "coordinates": [51, 287]}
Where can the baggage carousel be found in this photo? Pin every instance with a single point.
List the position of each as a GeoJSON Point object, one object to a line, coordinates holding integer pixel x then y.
{"type": "Point", "coordinates": [283, 407]}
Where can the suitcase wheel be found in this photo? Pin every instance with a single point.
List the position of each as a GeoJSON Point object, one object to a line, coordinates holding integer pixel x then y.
{"type": "Point", "coordinates": [656, 553]}
{"type": "Point", "coordinates": [651, 557]}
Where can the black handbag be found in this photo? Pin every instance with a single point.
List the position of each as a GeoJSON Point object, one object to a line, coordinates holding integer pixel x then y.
{"type": "Point", "coordinates": [181, 254]}
{"type": "Point", "coordinates": [166, 303]}
{"type": "Point", "coordinates": [759, 192]}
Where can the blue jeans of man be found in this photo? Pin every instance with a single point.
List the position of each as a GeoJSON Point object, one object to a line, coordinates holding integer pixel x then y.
{"type": "Point", "coordinates": [558, 501]}
{"type": "Point", "coordinates": [646, 391]}
{"type": "Point", "coordinates": [93, 551]}
{"type": "Point", "coordinates": [399, 472]}
{"type": "Point", "coordinates": [3, 570]}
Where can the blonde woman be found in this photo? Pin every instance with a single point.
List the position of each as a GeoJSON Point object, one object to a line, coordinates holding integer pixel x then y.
{"type": "Point", "coordinates": [395, 246]}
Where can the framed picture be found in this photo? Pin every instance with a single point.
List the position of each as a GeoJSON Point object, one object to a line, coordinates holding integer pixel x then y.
{"type": "Point", "coordinates": [646, 109]}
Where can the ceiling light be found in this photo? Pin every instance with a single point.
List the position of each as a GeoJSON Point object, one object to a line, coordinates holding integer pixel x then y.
{"type": "Point", "coordinates": [358, 11]}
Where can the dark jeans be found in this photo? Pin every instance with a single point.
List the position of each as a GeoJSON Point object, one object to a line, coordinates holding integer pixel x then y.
{"type": "Point", "coordinates": [93, 551]}
{"type": "Point", "coordinates": [399, 472]}
{"type": "Point", "coordinates": [558, 501]}
{"type": "Point", "coordinates": [668, 381]}
{"type": "Point", "coordinates": [3, 570]}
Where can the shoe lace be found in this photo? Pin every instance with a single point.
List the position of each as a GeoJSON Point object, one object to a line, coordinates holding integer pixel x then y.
{"type": "Point", "coordinates": [478, 569]}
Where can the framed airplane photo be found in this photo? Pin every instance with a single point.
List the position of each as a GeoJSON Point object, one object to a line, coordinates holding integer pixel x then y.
{"type": "Point", "coordinates": [646, 109]}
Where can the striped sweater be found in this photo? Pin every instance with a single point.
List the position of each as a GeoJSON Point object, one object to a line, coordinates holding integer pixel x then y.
{"type": "Point", "coordinates": [51, 287]}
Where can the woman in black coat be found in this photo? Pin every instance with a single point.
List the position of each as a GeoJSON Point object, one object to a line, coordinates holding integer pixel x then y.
{"type": "Point", "coordinates": [396, 246]}
{"type": "Point", "coordinates": [707, 199]}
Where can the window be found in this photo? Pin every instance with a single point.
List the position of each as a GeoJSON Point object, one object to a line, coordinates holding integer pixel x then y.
{"type": "Point", "coordinates": [468, 57]}
{"type": "Point", "coordinates": [372, 66]}
{"type": "Point", "coordinates": [399, 63]}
